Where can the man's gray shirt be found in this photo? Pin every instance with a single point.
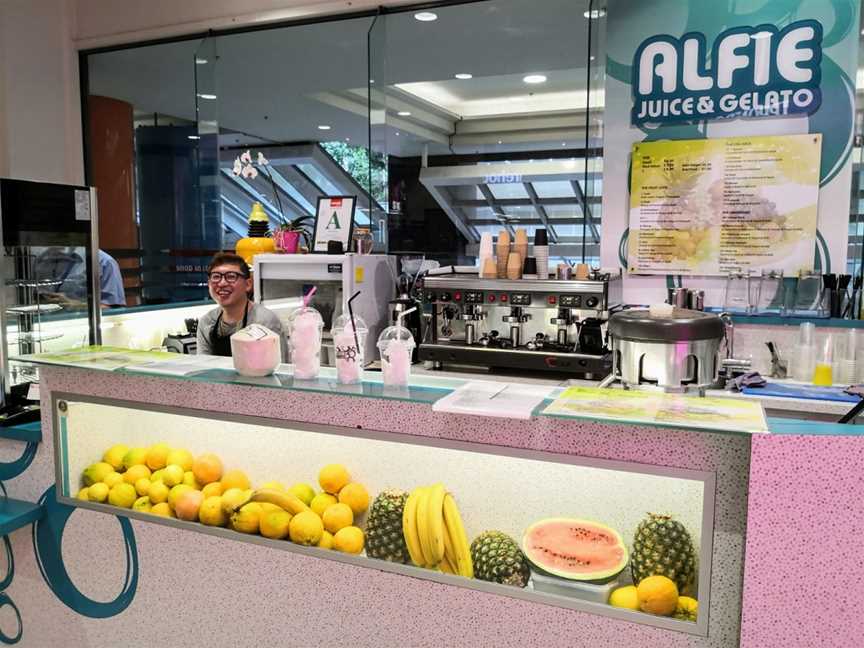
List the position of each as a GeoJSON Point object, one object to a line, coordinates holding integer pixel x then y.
{"type": "Point", "coordinates": [258, 314]}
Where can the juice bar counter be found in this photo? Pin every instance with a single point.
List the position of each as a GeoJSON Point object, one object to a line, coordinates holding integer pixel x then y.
{"type": "Point", "coordinates": [380, 522]}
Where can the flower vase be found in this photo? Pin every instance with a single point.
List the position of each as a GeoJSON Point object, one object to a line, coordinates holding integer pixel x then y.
{"type": "Point", "coordinates": [287, 241]}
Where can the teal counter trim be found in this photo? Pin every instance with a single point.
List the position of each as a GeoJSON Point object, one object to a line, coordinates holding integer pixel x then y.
{"type": "Point", "coordinates": [15, 514]}
{"type": "Point", "coordinates": [30, 432]}
{"type": "Point", "coordinates": [813, 428]}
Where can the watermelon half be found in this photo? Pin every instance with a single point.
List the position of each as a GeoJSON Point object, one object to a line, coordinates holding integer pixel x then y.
{"type": "Point", "coordinates": [579, 550]}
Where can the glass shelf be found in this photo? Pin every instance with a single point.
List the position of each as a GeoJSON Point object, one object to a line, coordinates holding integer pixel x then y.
{"type": "Point", "coordinates": [35, 337]}
{"type": "Point", "coordinates": [32, 309]}
{"type": "Point", "coordinates": [33, 283]}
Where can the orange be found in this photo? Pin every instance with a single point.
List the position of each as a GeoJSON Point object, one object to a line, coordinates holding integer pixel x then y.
{"type": "Point", "coordinates": [188, 504]}
{"type": "Point", "coordinates": [157, 456]}
{"type": "Point", "coordinates": [207, 468]}
{"type": "Point", "coordinates": [275, 524]}
{"type": "Point", "coordinates": [162, 509]}
{"type": "Point", "coordinates": [181, 457]}
{"type": "Point", "coordinates": [337, 516]}
{"type": "Point", "coordinates": [657, 595]}
{"type": "Point", "coordinates": [355, 496]}
{"type": "Point", "coordinates": [333, 478]}
{"type": "Point", "coordinates": [321, 502]}
{"type": "Point", "coordinates": [136, 472]}
{"type": "Point", "coordinates": [306, 528]}
{"type": "Point", "coordinates": [211, 512]}
{"type": "Point", "coordinates": [326, 541]}
{"type": "Point", "coordinates": [212, 489]}
{"type": "Point", "coordinates": [348, 540]}
{"type": "Point", "coordinates": [235, 479]}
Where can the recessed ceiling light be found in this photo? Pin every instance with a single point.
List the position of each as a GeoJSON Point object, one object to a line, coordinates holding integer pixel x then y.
{"type": "Point", "coordinates": [397, 133]}
{"type": "Point", "coordinates": [592, 57]}
{"type": "Point", "coordinates": [347, 139]}
{"type": "Point", "coordinates": [500, 142]}
{"type": "Point", "coordinates": [404, 113]}
{"type": "Point", "coordinates": [425, 16]}
{"type": "Point", "coordinates": [594, 14]}
{"type": "Point", "coordinates": [535, 78]}
{"type": "Point", "coordinates": [200, 61]}
{"type": "Point", "coordinates": [462, 76]}
{"type": "Point", "coordinates": [371, 81]}
{"type": "Point", "coordinates": [204, 95]}
{"type": "Point", "coordinates": [194, 137]}
{"type": "Point", "coordinates": [563, 143]}
{"type": "Point", "coordinates": [323, 127]}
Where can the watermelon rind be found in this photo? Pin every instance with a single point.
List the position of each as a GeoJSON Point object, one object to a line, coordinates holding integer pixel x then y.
{"type": "Point", "coordinates": [601, 576]}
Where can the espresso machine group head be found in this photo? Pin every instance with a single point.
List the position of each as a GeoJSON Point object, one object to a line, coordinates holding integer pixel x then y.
{"type": "Point", "coordinates": [550, 325]}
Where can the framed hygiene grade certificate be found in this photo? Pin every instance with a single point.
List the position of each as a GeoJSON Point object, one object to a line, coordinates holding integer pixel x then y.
{"type": "Point", "coordinates": [334, 221]}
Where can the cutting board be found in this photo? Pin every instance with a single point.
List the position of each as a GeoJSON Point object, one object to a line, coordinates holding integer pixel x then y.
{"type": "Point", "coordinates": [806, 392]}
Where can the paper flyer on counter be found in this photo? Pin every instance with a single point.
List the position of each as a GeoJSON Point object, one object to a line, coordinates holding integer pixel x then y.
{"type": "Point", "coordinates": [714, 206]}
{"type": "Point", "coordinates": [659, 408]}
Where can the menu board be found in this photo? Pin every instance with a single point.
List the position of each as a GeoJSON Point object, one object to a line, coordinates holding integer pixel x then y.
{"type": "Point", "coordinates": [660, 408]}
{"type": "Point", "coordinates": [714, 206]}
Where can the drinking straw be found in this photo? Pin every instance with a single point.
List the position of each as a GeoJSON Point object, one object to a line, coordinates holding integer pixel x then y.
{"type": "Point", "coordinates": [399, 319]}
{"type": "Point", "coordinates": [308, 296]}
{"type": "Point", "coordinates": [351, 315]}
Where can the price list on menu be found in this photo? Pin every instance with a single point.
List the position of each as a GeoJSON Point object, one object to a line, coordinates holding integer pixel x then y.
{"type": "Point", "coordinates": [713, 206]}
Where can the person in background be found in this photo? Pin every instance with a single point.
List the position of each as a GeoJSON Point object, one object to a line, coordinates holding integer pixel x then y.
{"type": "Point", "coordinates": [67, 265]}
{"type": "Point", "coordinates": [230, 284]}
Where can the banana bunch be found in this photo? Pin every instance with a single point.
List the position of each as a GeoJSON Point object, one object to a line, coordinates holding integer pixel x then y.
{"type": "Point", "coordinates": [434, 533]}
{"type": "Point", "coordinates": [283, 499]}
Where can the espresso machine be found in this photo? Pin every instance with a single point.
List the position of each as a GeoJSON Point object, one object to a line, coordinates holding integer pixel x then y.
{"type": "Point", "coordinates": [528, 324]}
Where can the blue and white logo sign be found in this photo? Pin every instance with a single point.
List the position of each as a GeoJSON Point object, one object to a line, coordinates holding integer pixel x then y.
{"type": "Point", "coordinates": [758, 71]}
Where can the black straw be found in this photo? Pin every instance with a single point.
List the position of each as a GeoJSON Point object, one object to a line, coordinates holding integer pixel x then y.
{"type": "Point", "coordinates": [353, 324]}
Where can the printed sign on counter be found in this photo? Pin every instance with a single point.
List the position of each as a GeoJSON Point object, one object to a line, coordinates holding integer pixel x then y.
{"type": "Point", "coordinates": [714, 206]}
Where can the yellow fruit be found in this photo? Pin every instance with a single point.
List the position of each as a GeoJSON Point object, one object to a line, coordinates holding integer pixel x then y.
{"type": "Point", "coordinates": [304, 492]}
{"type": "Point", "coordinates": [207, 468]}
{"type": "Point", "coordinates": [136, 472]}
{"type": "Point", "coordinates": [306, 528]}
{"type": "Point", "coordinates": [231, 499]}
{"type": "Point", "coordinates": [268, 507]}
{"type": "Point", "coordinates": [333, 477]}
{"type": "Point", "coordinates": [157, 456]}
{"type": "Point", "coordinates": [142, 504]}
{"type": "Point", "coordinates": [189, 480]}
{"type": "Point", "coordinates": [175, 493]}
{"type": "Point", "coordinates": [247, 519]}
{"type": "Point", "coordinates": [212, 489]}
{"type": "Point", "coordinates": [625, 597]}
{"type": "Point", "coordinates": [321, 502]}
{"type": "Point", "coordinates": [657, 595]}
{"type": "Point", "coordinates": [135, 457]}
{"type": "Point", "coordinates": [235, 479]}
{"type": "Point", "coordinates": [158, 492]}
{"type": "Point", "coordinates": [162, 509]}
{"type": "Point", "coordinates": [276, 485]}
{"type": "Point", "coordinates": [114, 456]}
{"type": "Point", "coordinates": [142, 486]}
{"type": "Point", "coordinates": [180, 457]}
{"type": "Point", "coordinates": [172, 475]}
{"type": "Point", "coordinates": [274, 524]}
{"type": "Point", "coordinates": [211, 512]}
{"type": "Point", "coordinates": [355, 496]}
{"type": "Point", "coordinates": [98, 492]}
{"type": "Point", "coordinates": [337, 516]}
{"type": "Point", "coordinates": [97, 472]}
{"type": "Point", "coordinates": [122, 495]}
{"type": "Point", "coordinates": [157, 475]}
{"type": "Point", "coordinates": [686, 610]}
{"type": "Point", "coordinates": [348, 540]}
{"type": "Point", "coordinates": [83, 494]}
{"type": "Point", "coordinates": [186, 506]}
{"type": "Point", "coordinates": [326, 541]}
{"type": "Point", "coordinates": [112, 479]}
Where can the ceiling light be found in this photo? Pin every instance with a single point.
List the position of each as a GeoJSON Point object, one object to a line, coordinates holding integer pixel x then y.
{"type": "Point", "coordinates": [563, 143]}
{"type": "Point", "coordinates": [323, 127]}
{"type": "Point", "coordinates": [425, 16]}
{"type": "Point", "coordinates": [204, 95]}
{"type": "Point", "coordinates": [594, 14]}
{"type": "Point", "coordinates": [500, 142]}
{"type": "Point", "coordinates": [535, 78]}
{"type": "Point", "coordinates": [404, 113]}
{"type": "Point", "coordinates": [592, 57]}
{"type": "Point", "coordinates": [194, 137]}
{"type": "Point", "coordinates": [462, 76]}
{"type": "Point", "coordinates": [200, 61]}
{"type": "Point", "coordinates": [397, 133]}
{"type": "Point", "coordinates": [347, 139]}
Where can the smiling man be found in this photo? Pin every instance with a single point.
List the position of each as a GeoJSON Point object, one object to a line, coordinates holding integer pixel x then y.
{"type": "Point", "coordinates": [230, 285]}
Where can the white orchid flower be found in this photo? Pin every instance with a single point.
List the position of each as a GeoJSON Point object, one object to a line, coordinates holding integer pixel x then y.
{"type": "Point", "coordinates": [253, 172]}
{"type": "Point", "coordinates": [262, 161]}
{"type": "Point", "coordinates": [238, 167]}
{"type": "Point", "coordinates": [248, 170]}
{"type": "Point", "coordinates": [246, 158]}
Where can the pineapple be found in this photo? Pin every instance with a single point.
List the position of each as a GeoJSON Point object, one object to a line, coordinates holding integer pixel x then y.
{"type": "Point", "coordinates": [498, 559]}
{"type": "Point", "coordinates": [384, 529]}
{"type": "Point", "coordinates": [663, 546]}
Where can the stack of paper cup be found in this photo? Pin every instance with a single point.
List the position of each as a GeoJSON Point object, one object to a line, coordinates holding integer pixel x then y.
{"type": "Point", "coordinates": [846, 359]}
{"type": "Point", "coordinates": [541, 253]}
{"type": "Point", "coordinates": [502, 253]}
{"type": "Point", "coordinates": [805, 356]}
{"type": "Point", "coordinates": [486, 252]}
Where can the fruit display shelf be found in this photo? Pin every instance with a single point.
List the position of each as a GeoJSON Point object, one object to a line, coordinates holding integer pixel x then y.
{"type": "Point", "coordinates": [15, 514]}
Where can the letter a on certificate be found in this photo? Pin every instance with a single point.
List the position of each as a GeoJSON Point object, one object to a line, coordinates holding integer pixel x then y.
{"type": "Point", "coordinates": [333, 223]}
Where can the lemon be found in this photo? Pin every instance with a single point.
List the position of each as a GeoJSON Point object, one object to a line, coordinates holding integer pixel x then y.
{"type": "Point", "coordinates": [304, 492]}
{"type": "Point", "coordinates": [333, 477]}
{"type": "Point", "coordinates": [321, 502]}
{"type": "Point", "coordinates": [247, 519]}
{"type": "Point", "coordinates": [275, 485]}
{"type": "Point", "coordinates": [274, 524]}
{"type": "Point", "coordinates": [172, 475]}
{"type": "Point", "coordinates": [337, 516]}
{"type": "Point", "coordinates": [114, 456]}
{"type": "Point", "coordinates": [112, 479]}
{"type": "Point", "coordinates": [157, 475]}
{"type": "Point", "coordinates": [306, 528]}
{"type": "Point", "coordinates": [175, 493]}
{"type": "Point", "coordinates": [211, 512]}
{"type": "Point", "coordinates": [189, 480]}
{"type": "Point", "coordinates": [136, 472]}
{"type": "Point", "coordinates": [657, 595]}
{"type": "Point", "coordinates": [213, 489]}
{"type": "Point", "coordinates": [83, 494]}
{"type": "Point", "coordinates": [235, 479]}
{"type": "Point", "coordinates": [135, 457]}
{"type": "Point", "coordinates": [98, 492]}
{"type": "Point", "coordinates": [158, 492]}
{"type": "Point", "coordinates": [142, 504]}
{"type": "Point", "coordinates": [231, 499]}
{"type": "Point", "coordinates": [122, 495]}
{"type": "Point", "coordinates": [348, 540]}
{"type": "Point", "coordinates": [97, 472]}
{"type": "Point", "coordinates": [180, 457]}
{"type": "Point", "coordinates": [162, 509]}
{"type": "Point", "coordinates": [624, 597]}
{"type": "Point", "coordinates": [326, 541]}
{"type": "Point", "coordinates": [356, 496]}
{"type": "Point", "coordinates": [157, 456]}
{"type": "Point", "coordinates": [142, 486]}
{"type": "Point", "coordinates": [686, 610]}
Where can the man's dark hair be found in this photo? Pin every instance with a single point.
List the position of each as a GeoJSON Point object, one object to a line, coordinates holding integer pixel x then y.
{"type": "Point", "coordinates": [229, 258]}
